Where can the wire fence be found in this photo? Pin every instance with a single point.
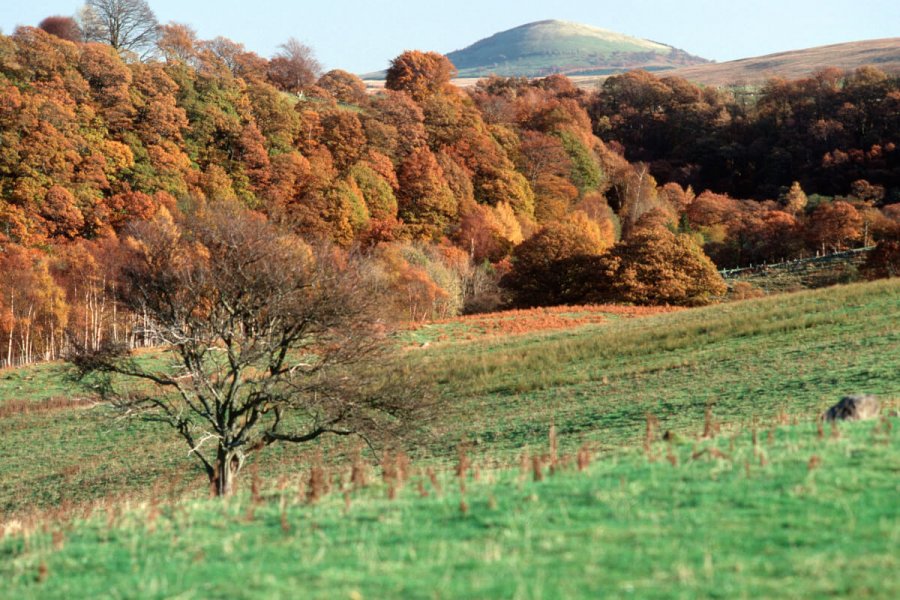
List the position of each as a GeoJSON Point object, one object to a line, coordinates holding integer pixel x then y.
{"type": "Point", "coordinates": [790, 264]}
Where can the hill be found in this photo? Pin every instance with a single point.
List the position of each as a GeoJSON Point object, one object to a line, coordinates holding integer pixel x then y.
{"type": "Point", "coordinates": [546, 47]}
{"type": "Point", "coordinates": [883, 53]}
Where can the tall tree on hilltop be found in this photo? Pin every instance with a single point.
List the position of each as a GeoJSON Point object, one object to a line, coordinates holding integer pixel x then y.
{"type": "Point", "coordinates": [126, 25]}
{"type": "Point", "coordinates": [345, 87]}
{"type": "Point", "coordinates": [294, 67]}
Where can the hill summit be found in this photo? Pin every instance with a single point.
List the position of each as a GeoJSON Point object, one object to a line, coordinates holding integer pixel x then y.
{"type": "Point", "coordinates": [546, 47]}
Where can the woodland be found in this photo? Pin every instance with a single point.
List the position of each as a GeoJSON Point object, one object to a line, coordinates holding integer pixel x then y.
{"type": "Point", "coordinates": [512, 193]}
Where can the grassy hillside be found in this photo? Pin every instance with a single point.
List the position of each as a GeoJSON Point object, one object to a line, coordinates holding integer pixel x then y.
{"type": "Point", "coordinates": [545, 47]}
{"type": "Point", "coordinates": [884, 54]}
{"type": "Point", "coordinates": [765, 504]}
{"type": "Point", "coordinates": [793, 354]}
{"type": "Point", "coordinates": [786, 512]}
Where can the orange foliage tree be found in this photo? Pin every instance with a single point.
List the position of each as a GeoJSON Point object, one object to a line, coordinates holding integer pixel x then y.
{"type": "Point", "coordinates": [656, 266]}
{"type": "Point", "coordinates": [540, 273]}
{"type": "Point", "coordinates": [834, 226]}
{"type": "Point", "coordinates": [420, 74]}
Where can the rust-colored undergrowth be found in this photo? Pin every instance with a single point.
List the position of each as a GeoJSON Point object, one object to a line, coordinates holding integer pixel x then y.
{"type": "Point", "coordinates": [522, 321]}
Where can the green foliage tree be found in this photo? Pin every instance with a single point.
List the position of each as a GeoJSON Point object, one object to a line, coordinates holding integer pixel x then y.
{"type": "Point", "coordinates": [377, 192]}
{"type": "Point", "coordinates": [586, 173]}
{"type": "Point", "coordinates": [426, 203]}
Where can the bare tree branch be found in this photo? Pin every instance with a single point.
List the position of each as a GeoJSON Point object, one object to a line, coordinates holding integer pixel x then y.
{"type": "Point", "coordinates": [269, 332]}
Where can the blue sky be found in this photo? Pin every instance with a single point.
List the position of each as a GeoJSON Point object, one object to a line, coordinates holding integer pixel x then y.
{"type": "Point", "coordinates": [362, 35]}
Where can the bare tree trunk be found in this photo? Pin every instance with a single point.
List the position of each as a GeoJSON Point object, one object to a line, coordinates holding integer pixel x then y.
{"type": "Point", "coordinates": [26, 336]}
{"type": "Point", "coordinates": [12, 329]}
{"type": "Point", "coordinates": [228, 464]}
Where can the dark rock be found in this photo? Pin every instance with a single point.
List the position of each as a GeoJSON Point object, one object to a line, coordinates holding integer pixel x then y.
{"type": "Point", "coordinates": [853, 408]}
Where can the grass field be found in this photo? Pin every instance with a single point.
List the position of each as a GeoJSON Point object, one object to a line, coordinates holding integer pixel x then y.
{"type": "Point", "coordinates": [716, 523]}
{"type": "Point", "coordinates": [794, 515]}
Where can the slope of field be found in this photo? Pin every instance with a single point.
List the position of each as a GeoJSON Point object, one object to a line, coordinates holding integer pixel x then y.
{"type": "Point", "coordinates": [781, 512]}
{"type": "Point", "coordinates": [883, 53]}
{"type": "Point", "coordinates": [792, 354]}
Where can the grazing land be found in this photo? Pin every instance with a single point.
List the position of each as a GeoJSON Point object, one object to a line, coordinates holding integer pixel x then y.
{"type": "Point", "coordinates": [95, 505]}
{"type": "Point", "coordinates": [783, 511]}
{"type": "Point", "coordinates": [794, 64]}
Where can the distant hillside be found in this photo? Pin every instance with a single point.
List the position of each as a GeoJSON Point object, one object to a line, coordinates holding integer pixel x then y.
{"type": "Point", "coordinates": [883, 53]}
{"type": "Point", "coordinates": [546, 47]}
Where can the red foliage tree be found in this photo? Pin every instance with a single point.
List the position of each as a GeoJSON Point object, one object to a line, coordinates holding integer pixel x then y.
{"type": "Point", "coordinates": [883, 261]}
{"type": "Point", "coordinates": [65, 28]}
{"type": "Point", "coordinates": [294, 67]}
{"type": "Point", "coordinates": [344, 87]}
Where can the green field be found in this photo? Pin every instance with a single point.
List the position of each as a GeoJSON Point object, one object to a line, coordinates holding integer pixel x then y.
{"type": "Point", "coordinates": [797, 514]}
{"type": "Point", "coordinates": [794, 516]}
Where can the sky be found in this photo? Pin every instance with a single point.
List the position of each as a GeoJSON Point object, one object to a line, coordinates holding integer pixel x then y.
{"type": "Point", "coordinates": [363, 35]}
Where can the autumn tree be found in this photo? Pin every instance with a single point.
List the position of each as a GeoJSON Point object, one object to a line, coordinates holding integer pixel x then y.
{"type": "Point", "coordinates": [541, 275]}
{"type": "Point", "coordinates": [177, 42]}
{"type": "Point", "coordinates": [343, 86]}
{"type": "Point", "coordinates": [275, 341]}
{"type": "Point", "coordinates": [420, 74]}
{"type": "Point", "coordinates": [656, 266]}
{"type": "Point", "coordinates": [426, 202]}
{"type": "Point", "coordinates": [488, 232]}
{"type": "Point", "coordinates": [398, 127]}
{"type": "Point", "coordinates": [33, 311]}
{"type": "Point", "coordinates": [834, 226]}
{"type": "Point", "coordinates": [795, 199]}
{"type": "Point", "coordinates": [126, 25]}
{"type": "Point", "coordinates": [883, 261]}
{"type": "Point", "coordinates": [420, 283]}
{"type": "Point", "coordinates": [294, 67]}
{"type": "Point", "coordinates": [65, 28]}
{"type": "Point", "coordinates": [344, 137]}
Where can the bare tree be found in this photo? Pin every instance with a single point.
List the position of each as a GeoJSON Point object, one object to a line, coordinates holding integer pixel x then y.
{"type": "Point", "coordinates": [275, 341]}
{"type": "Point", "coordinates": [126, 25]}
{"type": "Point", "coordinates": [294, 67]}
